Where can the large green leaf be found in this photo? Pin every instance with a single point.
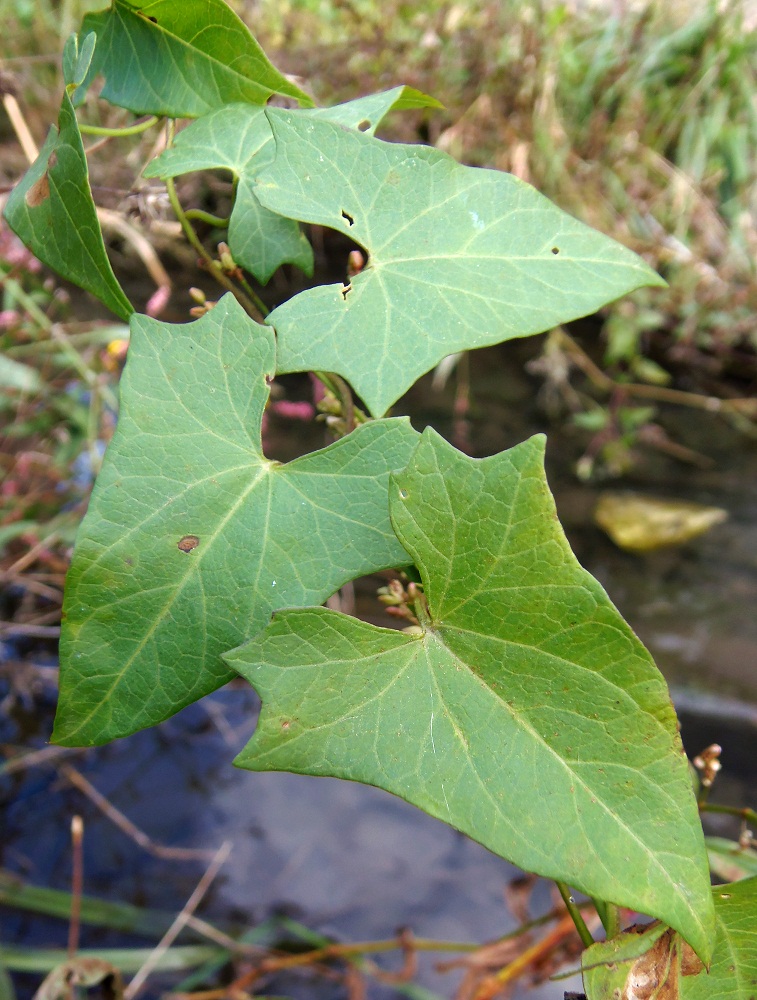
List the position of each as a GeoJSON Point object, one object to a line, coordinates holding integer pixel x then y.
{"type": "Point", "coordinates": [52, 211]}
{"type": "Point", "coordinates": [733, 973]}
{"type": "Point", "coordinates": [459, 257]}
{"type": "Point", "coordinates": [239, 138]}
{"type": "Point", "coordinates": [626, 968]}
{"type": "Point", "coordinates": [526, 714]}
{"type": "Point", "coordinates": [179, 58]}
{"type": "Point", "coordinates": [193, 537]}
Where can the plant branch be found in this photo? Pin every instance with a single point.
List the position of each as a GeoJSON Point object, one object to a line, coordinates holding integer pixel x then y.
{"type": "Point", "coordinates": [575, 914]}
{"type": "Point", "coordinates": [213, 266]}
{"type": "Point", "coordinates": [276, 963]}
{"type": "Point", "coordinates": [736, 409]}
{"type": "Point", "coordinates": [747, 815]}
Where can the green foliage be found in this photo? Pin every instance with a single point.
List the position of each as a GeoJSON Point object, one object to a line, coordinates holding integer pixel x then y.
{"type": "Point", "coordinates": [52, 211]}
{"type": "Point", "coordinates": [180, 59]}
{"type": "Point", "coordinates": [239, 138]}
{"type": "Point", "coordinates": [521, 708]}
{"type": "Point", "coordinates": [523, 677]}
{"type": "Point", "coordinates": [610, 967]}
{"type": "Point", "coordinates": [193, 537]}
{"type": "Point", "coordinates": [459, 257]}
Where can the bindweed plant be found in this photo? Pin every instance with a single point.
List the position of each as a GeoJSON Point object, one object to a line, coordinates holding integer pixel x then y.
{"type": "Point", "coordinates": [518, 707]}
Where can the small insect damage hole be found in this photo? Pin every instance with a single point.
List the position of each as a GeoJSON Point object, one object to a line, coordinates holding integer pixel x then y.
{"type": "Point", "coordinates": [349, 219]}
{"type": "Point", "coordinates": [555, 250]}
{"type": "Point", "coordinates": [364, 125]}
{"type": "Point", "coordinates": [188, 543]}
{"type": "Point", "coordinates": [403, 494]}
{"type": "Point", "coordinates": [346, 289]}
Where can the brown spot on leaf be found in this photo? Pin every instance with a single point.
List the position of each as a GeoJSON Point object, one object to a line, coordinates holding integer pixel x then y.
{"type": "Point", "coordinates": [38, 192]}
{"type": "Point", "coordinates": [188, 542]}
{"type": "Point", "coordinates": [656, 974]}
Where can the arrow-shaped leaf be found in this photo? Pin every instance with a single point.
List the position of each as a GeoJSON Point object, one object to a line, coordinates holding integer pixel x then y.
{"type": "Point", "coordinates": [53, 192]}
{"type": "Point", "coordinates": [179, 58]}
{"type": "Point", "coordinates": [459, 257]}
{"type": "Point", "coordinates": [526, 714]}
{"type": "Point", "coordinates": [239, 138]}
{"type": "Point", "coordinates": [193, 537]}
{"type": "Point", "coordinates": [627, 968]}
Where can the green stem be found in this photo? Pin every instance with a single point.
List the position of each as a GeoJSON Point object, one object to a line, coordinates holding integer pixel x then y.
{"type": "Point", "coordinates": [345, 397]}
{"type": "Point", "coordinates": [213, 266]}
{"type": "Point", "coordinates": [118, 132]}
{"type": "Point", "coordinates": [583, 931]}
{"type": "Point", "coordinates": [250, 291]}
{"type": "Point", "coordinates": [748, 815]}
{"type": "Point", "coordinates": [200, 215]}
{"type": "Point", "coordinates": [337, 386]}
{"type": "Point", "coordinates": [609, 914]}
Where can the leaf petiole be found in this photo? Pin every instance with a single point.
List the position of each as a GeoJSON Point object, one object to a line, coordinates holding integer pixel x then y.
{"type": "Point", "coordinates": [575, 914]}
{"type": "Point", "coordinates": [117, 133]}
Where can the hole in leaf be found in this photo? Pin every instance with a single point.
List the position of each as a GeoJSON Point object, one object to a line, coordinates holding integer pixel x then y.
{"type": "Point", "coordinates": [364, 125]}
{"type": "Point", "coordinates": [348, 218]}
{"type": "Point", "coordinates": [555, 250]}
{"type": "Point", "coordinates": [346, 289]}
{"type": "Point", "coordinates": [188, 542]}
{"type": "Point", "coordinates": [403, 494]}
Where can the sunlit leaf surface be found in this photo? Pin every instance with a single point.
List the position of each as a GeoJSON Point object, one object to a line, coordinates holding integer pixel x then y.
{"type": "Point", "coordinates": [193, 537]}
{"type": "Point", "coordinates": [526, 714]}
{"type": "Point", "coordinates": [238, 137]}
{"type": "Point", "coordinates": [459, 257]}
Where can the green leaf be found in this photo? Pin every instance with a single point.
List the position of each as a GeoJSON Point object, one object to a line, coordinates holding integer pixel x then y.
{"type": "Point", "coordinates": [459, 257]}
{"type": "Point", "coordinates": [52, 212]}
{"type": "Point", "coordinates": [193, 537]}
{"type": "Point", "coordinates": [626, 967]}
{"type": "Point", "coordinates": [179, 58]}
{"type": "Point", "coordinates": [77, 58]}
{"type": "Point", "coordinates": [238, 137]}
{"type": "Point", "coordinates": [733, 973]}
{"type": "Point", "coordinates": [526, 714]}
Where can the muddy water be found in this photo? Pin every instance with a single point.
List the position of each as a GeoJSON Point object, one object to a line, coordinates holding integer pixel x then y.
{"type": "Point", "coordinates": [354, 861]}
